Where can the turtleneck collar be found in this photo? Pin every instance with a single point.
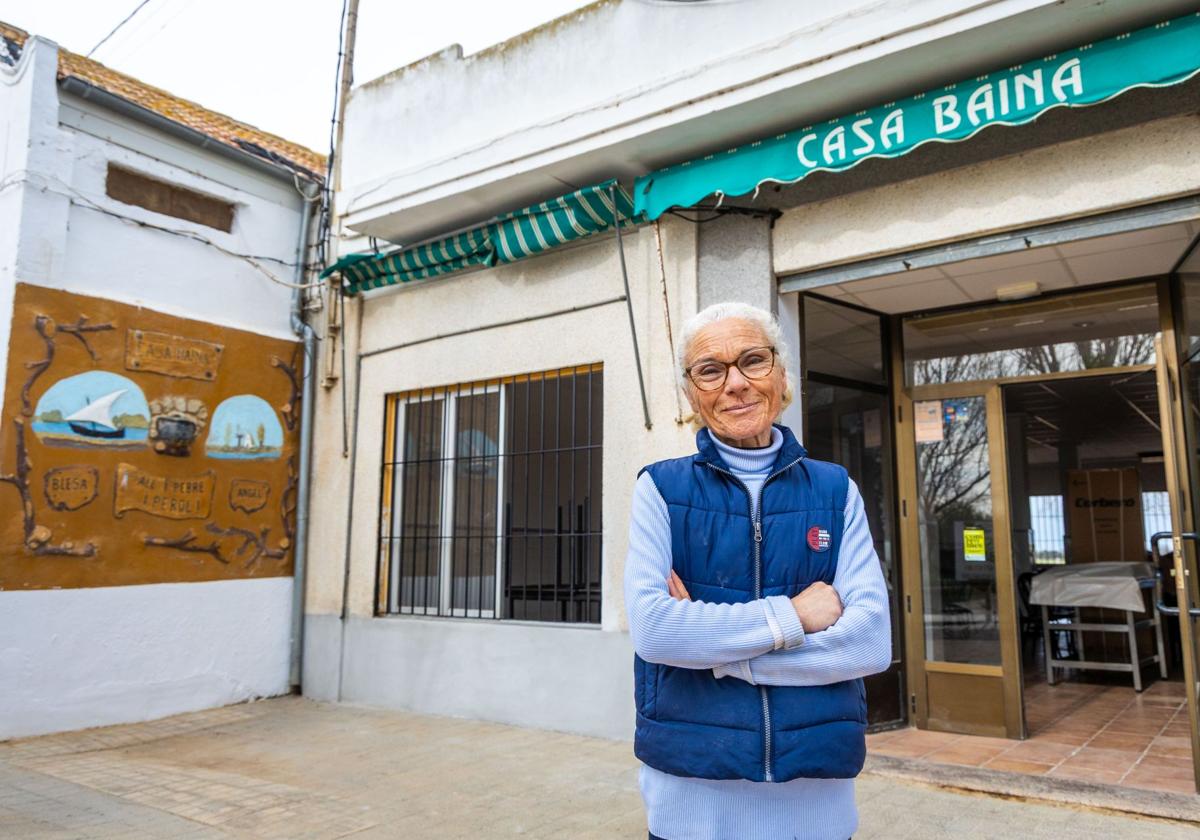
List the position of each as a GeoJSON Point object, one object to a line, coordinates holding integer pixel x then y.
{"type": "Point", "coordinates": [751, 460]}
{"type": "Point", "coordinates": [784, 446]}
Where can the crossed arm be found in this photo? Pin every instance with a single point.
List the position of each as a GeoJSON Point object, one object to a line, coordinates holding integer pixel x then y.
{"type": "Point", "coordinates": [761, 641]}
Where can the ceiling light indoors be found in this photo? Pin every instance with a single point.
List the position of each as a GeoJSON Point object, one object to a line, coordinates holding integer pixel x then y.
{"type": "Point", "coordinates": [1019, 291]}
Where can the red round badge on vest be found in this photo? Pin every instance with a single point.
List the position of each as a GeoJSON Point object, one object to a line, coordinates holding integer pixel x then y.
{"type": "Point", "coordinates": [818, 538]}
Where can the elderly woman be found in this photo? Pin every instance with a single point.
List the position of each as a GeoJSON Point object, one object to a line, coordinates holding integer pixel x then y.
{"type": "Point", "coordinates": [756, 605]}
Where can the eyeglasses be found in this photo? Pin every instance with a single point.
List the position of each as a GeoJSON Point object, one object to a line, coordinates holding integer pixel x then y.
{"type": "Point", "coordinates": [755, 363]}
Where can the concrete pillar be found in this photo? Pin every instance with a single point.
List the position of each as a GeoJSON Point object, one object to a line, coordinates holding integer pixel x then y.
{"type": "Point", "coordinates": [734, 262]}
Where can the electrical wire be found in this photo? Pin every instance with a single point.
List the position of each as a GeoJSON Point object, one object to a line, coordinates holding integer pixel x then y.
{"type": "Point", "coordinates": [132, 33]}
{"type": "Point", "coordinates": [324, 232]}
{"type": "Point", "coordinates": [134, 47]}
{"type": "Point", "coordinates": [78, 199]}
{"type": "Point", "coordinates": [250, 259]}
{"type": "Point", "coordinates": [718, 212]}
{"type": "Point", "coordinates": [324, 222]}
{"type": "Point", "coordinates": [116, 28]}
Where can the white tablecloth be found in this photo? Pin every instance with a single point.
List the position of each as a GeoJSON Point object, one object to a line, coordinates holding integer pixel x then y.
{"type": "Point", "coordinates": [1115, 585]}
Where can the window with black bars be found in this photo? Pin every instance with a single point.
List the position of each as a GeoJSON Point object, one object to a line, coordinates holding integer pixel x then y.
{"type": "Point", "coordinates": [491, 499]}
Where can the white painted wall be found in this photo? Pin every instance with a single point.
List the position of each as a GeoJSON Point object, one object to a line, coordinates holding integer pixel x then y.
{"type": "Point", "coordinates": [545, 676]}
{"type": "Point", "coordinates": [75, 658]}
{"type": "Point", "coordinates": [86, 657]}
{"type": "Point", "coordinates": [541, 111]}
{"type": "Point", "coordinates": [553, 675]}
{"type": "Point", "coordinates": [28, 107]}
{"type": "Point", "coordinates": [561, 280]}
{"type": "Point", "coordinates": [172, 273]}
{"type": "Point", "coordinates": [623, 87]}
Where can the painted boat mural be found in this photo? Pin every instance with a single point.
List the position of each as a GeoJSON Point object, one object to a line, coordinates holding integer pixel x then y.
{"type": "Point", "coordinates": [95, 419]}
{"type": "Point", "coordinates": [244, 427]}
{"type": "Point", "coordinates": [96, 409]}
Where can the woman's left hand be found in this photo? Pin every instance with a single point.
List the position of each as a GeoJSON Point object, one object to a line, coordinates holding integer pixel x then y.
{"type": "Point", "coordinates": [676, 588]}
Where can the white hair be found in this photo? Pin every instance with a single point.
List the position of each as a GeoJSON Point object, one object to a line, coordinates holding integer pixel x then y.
{"type": "Point", "coordinates": [733, 310]}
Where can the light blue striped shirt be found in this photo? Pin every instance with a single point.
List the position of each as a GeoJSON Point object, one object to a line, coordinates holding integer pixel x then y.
{"type": "Point", "coordinates": [761, 642]}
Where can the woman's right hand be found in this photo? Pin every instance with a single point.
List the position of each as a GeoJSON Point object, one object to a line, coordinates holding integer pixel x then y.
{"type": "Point", "coordinates": [818, 607]}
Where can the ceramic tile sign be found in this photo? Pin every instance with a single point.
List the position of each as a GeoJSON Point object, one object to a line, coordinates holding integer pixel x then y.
{"type": "Point", "coordinates": [248, 496]}
{"type": "Point", "coordinates": [244, 427]}
{"type": "Point", "coordinates": [93, 409]}
{"type": "Point", "coordinates": [172, 355]}
{"type": "Point", "coordinates": [161, 495]}
{"type": "Point", "coordinates": [70, 488]}
{"type": "Point", "coordinates": [132, 451]}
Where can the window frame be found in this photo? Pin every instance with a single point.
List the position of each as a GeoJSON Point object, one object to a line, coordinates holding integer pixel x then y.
{"type": "Point", "coordinates": [154, 194]}
{"type": "Point", "coordinates": [390, 580]}
{"type": "Point", "coordinates": [446, 501]}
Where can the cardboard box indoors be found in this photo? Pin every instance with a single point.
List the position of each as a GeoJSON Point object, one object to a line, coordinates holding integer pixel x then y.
{"type": "Point", "coordinates": [1105, 512]}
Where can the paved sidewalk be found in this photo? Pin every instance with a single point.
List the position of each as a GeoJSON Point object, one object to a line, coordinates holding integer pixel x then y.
{"type": "Point", "coordinates": [292, 768]}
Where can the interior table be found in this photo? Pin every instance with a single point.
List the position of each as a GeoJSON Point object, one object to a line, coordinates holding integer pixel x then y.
{"type": "Point", "coordinates": [1118, 586]}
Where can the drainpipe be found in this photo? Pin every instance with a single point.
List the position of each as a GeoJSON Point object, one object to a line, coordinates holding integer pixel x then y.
{"type": "Point", "coordinates": [309, 194]}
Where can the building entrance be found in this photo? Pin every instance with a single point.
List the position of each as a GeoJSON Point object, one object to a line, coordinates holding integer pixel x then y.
{"type": "Point", "coordinates": [1043, 448]}
{"type": "Point", "coordinates": [1037, 445]}
{"type": "Point", "coordinates": [1087, 485]}
{"type": "Point", "coordinates": [976, 380]}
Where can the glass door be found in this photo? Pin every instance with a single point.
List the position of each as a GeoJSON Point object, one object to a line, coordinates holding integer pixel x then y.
{"type": "Point", "coordinates": [1180, 388]}
{"type": "Point", "coordinates": [963, 642]}
{"type": "Point", "coordinates": [846, 408]}
{"type": "Point", "coordinates": [950, 366]}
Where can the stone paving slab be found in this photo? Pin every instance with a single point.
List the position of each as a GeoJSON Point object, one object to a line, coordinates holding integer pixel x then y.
{"type": "Point", "coordinates": [292, 768]}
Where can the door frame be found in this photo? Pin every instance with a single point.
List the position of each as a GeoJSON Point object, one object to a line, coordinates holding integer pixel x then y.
{"type": "Point", "coordinates": [1181, 468]}
{"type": "Point", "coordinates": [886, 390]}
{"type": "Point", "coordinates": [918, 666]}
{"type": "Point", "coordinates": [1166, 368]}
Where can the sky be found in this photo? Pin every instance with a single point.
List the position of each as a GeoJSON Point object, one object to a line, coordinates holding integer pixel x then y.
{"type": "Point", "coordinates": [271, 63]}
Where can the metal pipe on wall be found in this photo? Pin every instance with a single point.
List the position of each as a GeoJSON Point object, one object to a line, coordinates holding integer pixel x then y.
{"type": "Point", "coordinates": [308, 393]}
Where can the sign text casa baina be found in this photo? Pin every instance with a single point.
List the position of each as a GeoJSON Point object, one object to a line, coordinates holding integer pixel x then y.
{"type": "Point", "coordinates": [172, 355]}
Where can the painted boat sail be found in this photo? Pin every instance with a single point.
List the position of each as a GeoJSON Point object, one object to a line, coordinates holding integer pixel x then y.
{"type": "Point", "coordinates": [95, 419]}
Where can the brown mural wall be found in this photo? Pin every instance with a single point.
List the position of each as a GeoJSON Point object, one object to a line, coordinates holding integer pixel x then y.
{"type": "Point", "coordinates": [139, 447]}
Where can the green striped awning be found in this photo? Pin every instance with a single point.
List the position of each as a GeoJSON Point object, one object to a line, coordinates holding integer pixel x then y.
{"type": "Point", "coordinates": [454, 253]}
{"type": "Point", "coordinates": [511, 237]}
{"type": "Point", "coordinates": [558, 221]}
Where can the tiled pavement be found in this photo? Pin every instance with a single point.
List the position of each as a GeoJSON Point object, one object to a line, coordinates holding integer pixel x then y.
{"type": "Point", "coordinates": [1090, 733]}
{"type": "Point", "coordinates": [291, 768]}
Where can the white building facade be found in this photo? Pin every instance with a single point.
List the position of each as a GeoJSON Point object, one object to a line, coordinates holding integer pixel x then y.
{"type": "Point", "coordinates": [100, 624]}
{"type": "Point", "coordinates": [884, 275]}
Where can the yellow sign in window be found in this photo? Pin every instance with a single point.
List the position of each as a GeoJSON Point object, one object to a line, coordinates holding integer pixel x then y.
{"type": "Point", "coordinates": [974, 545]}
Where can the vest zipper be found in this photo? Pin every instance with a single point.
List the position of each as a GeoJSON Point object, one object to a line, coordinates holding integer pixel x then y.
{"type": "Point", "coordinates": [756, 518]}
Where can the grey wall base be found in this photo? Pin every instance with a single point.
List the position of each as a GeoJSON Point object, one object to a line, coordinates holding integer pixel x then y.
{"type": "Point", "coordinates": [322, 650]}
{"type": "Point", "coordinates": [548, 677]}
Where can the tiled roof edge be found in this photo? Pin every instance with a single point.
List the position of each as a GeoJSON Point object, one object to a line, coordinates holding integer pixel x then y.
{"type": "Point", "coordinates": [237, 136]}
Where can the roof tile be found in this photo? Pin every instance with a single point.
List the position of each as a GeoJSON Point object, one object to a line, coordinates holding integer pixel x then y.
{"type": "Point", "coordinates": [239, 135]}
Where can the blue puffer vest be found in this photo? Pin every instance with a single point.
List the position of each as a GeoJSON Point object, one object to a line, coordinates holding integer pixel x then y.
{"type": "Point", "coordinates": [689, 723]}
